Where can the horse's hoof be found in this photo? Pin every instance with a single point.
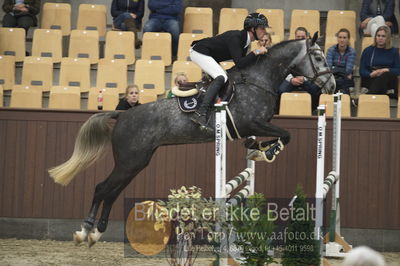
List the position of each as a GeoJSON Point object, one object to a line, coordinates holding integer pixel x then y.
{"type": "Point", "coordinates": [256, 155]}
{"type": "Point", "coordinates": [93, 237]}
{"type": "Point", "coordinates": [76, 238]}
{"type": "Point", "coordinates": [91, 242]}
{"type": "Point", "coordinates": [270, 159]}
{"type": "Point", "coordinates": [79, 236]}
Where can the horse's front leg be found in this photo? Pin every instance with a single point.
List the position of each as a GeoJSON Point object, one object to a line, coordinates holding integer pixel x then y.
{"type": "Point", "coordinates": [267, 150]}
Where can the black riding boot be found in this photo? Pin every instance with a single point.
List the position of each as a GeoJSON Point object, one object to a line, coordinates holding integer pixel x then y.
{"type": "Point", "coordinates": [131, 26]}
{"type": "Point", "coordinates": [201, 115]}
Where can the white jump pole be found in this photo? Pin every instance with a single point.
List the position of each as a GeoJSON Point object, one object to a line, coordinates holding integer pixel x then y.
{"type": "Point", "coordinates": [319, 193]}
{"type": "Point", "coordinates": [224, 189]}
{"type": "Point", "coordinates": [336, 139]}
{"type": "Point", "coordinates": [220, 150]}
{"type": "Point", "coordinates": [323, 185]}
{"type": "Point", "coordinates": [220, 172]}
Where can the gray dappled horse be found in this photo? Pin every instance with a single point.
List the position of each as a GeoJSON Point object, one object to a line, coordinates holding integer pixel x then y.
{"type": "Point", "coordinates": [139, 131]}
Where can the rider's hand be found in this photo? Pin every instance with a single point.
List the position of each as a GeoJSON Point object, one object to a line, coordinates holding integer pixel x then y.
{"type": "Point", "coordinates": [133, 15]}
{"type": "Point", "coordinates": [19, 6]}
{"type": "Point", "coordinates": [24, 9]}
{"type": "Point", "coordinates": [261, 50]}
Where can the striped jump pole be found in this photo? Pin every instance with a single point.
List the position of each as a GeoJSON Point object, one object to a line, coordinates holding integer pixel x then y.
{"type": "Point", "coordinates": [235, 182]}
{"type": "Point", "coordinates": [238, 180]}
{"type": "Point", "coordinates": [329, 182]}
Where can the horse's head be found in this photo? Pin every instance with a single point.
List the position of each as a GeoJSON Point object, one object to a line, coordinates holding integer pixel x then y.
{"type": "Point", "coordinates": [311, 63]}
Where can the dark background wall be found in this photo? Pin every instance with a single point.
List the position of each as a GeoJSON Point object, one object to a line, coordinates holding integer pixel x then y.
{"type": "Point", "coordinates": [33, 141]}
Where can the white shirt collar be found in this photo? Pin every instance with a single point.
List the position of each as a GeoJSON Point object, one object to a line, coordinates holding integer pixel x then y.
{"type": "Point", "coordinates": [248, 40]}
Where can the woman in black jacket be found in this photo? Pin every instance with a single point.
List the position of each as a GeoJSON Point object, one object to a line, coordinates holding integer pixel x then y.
{"type": "Point", "coordinates": [20, 14]}
{"type": "Point", "coordinates": [131, 98]}
{"type": "Point", "coordinates": [208, 52]}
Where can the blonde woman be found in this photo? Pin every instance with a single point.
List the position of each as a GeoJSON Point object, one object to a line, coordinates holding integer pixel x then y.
{"type": "Point", "coordinates": [180, 78]}
{"type": "Point", "coordinates": [265, 41]}
{"type": "Point", "coordinates": [130, 99]}
{"type": "Point", "coordinates": [380, 65]}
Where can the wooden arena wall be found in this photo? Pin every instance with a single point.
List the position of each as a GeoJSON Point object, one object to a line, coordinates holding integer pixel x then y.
{"type": "Point", "coordinates": [31, 141]}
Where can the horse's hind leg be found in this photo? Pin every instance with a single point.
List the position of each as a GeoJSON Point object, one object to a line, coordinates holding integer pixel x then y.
{"type": "Point", "coordinates": [113, 186]}
{"type": "Point", "coordinates": [103, 221]}
{"type": "Point", "coordinates": [88, 223]}
{"type": "Point", "coordinates": [120, 177]}
{"type": "Point", "coordinates": [267, 150]}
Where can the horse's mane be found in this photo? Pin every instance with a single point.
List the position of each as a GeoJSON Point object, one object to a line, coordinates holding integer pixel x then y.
{"type": "Point", "coordinates": [270, 52]}
{"type": "Point", "coordinates": [280, 44]}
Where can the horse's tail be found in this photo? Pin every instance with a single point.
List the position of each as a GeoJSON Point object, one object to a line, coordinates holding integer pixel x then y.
{"type": "Point", "coordinates": [90, 143]}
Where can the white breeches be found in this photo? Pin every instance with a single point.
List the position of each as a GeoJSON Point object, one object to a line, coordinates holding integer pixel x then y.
{"type": "Point", "coordinates": [208, 64]}
{"type": "Point", "coordinates": [373, 25]}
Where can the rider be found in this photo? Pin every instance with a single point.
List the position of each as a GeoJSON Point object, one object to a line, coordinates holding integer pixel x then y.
{"type": "Point", "coordinates": [208, 52]}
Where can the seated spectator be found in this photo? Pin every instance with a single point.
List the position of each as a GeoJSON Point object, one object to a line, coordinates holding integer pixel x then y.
{"type": "Point", "coordinates": [297, 83]}
{"type": "Point", "coordinates": [165, 17]}
{"type": "Point", "coordinates": [363, 256]}
{"type": "Point", "coordinates": [127, 16]}
{"type": "Point", "coordinates": [20, 13]}
{"type": "Point", "coordinates": [376, 13]}
{"type": "Point", "coordinates": [180, 78]}
{"type": "Point", "coordinates": [265, 41]}
{"type": "Point", "coordinates": [340, 58]}
{"type": "Point", "coordinates": [380, 65]}
{"type": "Point", "coordinates": [131, 98]}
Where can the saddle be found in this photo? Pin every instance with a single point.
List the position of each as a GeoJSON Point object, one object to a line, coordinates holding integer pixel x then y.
{"type": "Point", "coordinates": [190, 94]}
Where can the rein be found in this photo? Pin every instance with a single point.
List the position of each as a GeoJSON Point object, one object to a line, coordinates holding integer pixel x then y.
{"type": "Point", "coordinates": [245, 82]}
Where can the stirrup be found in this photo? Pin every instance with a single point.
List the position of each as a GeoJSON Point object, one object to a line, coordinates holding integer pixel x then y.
{"type": "Point", "coordinates": [197, 119]}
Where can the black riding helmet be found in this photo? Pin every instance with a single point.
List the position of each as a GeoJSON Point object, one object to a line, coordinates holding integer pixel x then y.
{"type": "Point", "coordinates": [255, 20]}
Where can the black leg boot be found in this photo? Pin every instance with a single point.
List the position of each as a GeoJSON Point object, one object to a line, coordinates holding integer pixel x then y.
{"type": "Point", "coordinates": [200, 117]}
{"type": "Point", "coordinates": [131, 26]}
